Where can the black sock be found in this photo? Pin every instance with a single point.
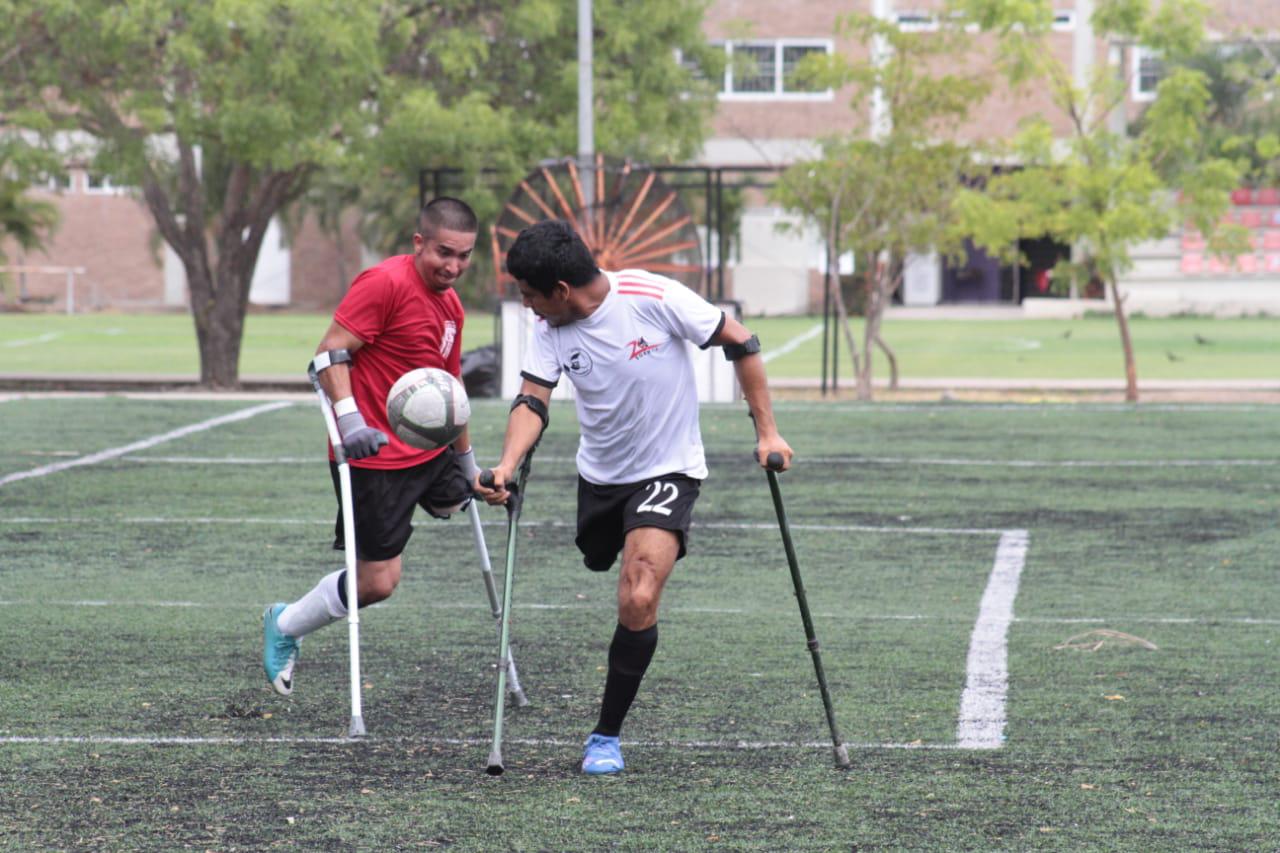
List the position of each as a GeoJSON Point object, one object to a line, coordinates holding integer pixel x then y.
{"type": "Point", "coordinates": [342, 587]}
{"type": "Point", "coordinates": [629, 656]}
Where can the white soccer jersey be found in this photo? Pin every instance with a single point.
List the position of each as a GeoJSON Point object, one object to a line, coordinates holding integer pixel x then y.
{"type": "Point", "coordinates": [633, 376]}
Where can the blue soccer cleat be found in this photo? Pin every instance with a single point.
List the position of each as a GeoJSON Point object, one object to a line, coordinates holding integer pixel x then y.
{"type": "Point", "coordinates": [602, 755]}
{"type": "Point", "coordinates": [279, 651]}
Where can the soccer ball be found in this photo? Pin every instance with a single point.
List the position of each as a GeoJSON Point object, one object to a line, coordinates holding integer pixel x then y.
{"type": "Point", "coordinates": [428, 408]}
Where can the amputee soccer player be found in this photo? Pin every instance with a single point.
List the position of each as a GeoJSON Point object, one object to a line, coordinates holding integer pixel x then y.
{"type": "Point", "coordinates": [620, 337]}
{"type": "Point", "coordinates": [399, 315]}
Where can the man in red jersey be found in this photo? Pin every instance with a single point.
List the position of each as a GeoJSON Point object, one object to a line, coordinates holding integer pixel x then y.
{"type": "Point", "coordinates": [399, 315]}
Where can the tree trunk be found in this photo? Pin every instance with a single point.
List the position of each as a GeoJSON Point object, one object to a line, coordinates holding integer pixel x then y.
{"type": "Point", "coordinates": [1130, 365]}
{"type": "Point", "coordinates": [877, 296]}
{"type": "Point", "coordinates": [833, 282]}
{"type": "Point", "coordinates": [891, 358]}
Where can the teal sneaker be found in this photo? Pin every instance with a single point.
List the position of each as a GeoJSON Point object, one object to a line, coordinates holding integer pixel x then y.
{"type": "Point", "coordinates": [279, 651]}
{"type": "Point", "coordinates": [602, 755]}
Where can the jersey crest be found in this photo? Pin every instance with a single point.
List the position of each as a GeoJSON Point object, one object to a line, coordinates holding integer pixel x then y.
{"type": "Point", "coordinates": [640, 348]}
{"type": "Point", "coordinates": [450, 335]}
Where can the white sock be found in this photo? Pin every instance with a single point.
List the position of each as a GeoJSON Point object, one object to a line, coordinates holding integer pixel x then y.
{"type": "Point", "coordinates": [315, 609]}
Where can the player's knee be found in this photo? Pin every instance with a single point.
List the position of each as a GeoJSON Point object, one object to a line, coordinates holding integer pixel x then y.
{"type": "Point", "coordinates": [378, 584]}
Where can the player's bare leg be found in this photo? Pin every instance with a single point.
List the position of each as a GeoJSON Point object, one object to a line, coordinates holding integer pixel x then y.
{"type": "Point", "coordinates": [284, 626]}
{"type": "Point", "coordinates": [648, 557]}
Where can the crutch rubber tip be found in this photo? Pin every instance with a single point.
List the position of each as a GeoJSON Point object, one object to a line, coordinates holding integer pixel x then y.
{"type": "Point", "coordinates": [495, 767]}
{"type": "Point", "coordinates": [842, 758]}
{"type": "Point", "coordinates": [521, 699]}
{"type": "Point", "coordinates": [357, 727]}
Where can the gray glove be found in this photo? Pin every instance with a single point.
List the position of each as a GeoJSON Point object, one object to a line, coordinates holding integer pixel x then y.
{"type": "Point", "coordinates": [358, 438]}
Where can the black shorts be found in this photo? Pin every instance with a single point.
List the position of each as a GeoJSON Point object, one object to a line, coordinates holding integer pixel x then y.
{"type": "Point", "coordinates": [607, 513]}
{"type": "Point", "coordinates": [384, 501]}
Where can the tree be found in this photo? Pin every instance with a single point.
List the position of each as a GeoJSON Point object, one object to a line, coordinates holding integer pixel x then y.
{"type": "Point", "coordinates": [222, 113]}
{"type": "Point", "coordinates": [1103, 189]}
{"type": "Point", "coordinates": [24, 220]}
{"type": "Point", "coordinates": [522, 64]}
{"type": "Point", "coordinates": [886, 192]}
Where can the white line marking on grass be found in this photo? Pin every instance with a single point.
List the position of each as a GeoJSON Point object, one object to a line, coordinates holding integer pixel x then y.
{"type": "Point", "coordinates": [982, 705]}
{"type": "Point", "coordinates": [1048, 463]}
{"type": "Point", "coordinates": [555, 525]}
{"type": "Point", "coordinates": [792, 344]}
{"type": "Point", "coordinates": [226, 460]}
{"type": "Point", "coordinates": [842, 615]}
{"type": "Point", "coordinates": [161, 740]}
{"type": "Point", "coordinates": [39, 339]}
{"type": "Point", "coordinates": [102, 455]}
{"type": "Point", "coordinates": [803, 460]}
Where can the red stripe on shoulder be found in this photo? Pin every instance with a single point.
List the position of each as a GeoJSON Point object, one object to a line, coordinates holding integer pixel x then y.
{"type": "Point", "coordinates": [625, 291]}
{"type": "Point", "coordinates": [636, 281]}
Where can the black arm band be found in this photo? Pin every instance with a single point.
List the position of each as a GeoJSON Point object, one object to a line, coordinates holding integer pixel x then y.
{"type": "Point", "coordinates": [535, 405]}
{"type": "Point", "coordinates": [733, 352]}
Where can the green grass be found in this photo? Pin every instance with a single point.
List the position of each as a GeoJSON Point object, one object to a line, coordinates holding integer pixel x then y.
{"type": "Point", "coordinates": [133, 590]}
{"type": "Point", "coordinates": [1088, 348]}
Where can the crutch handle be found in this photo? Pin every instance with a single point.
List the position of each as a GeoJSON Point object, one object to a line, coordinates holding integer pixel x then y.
{"type": "Point", "coordinates": [486, 480]}
{"type": "Point", "coordinates": [774, 461]}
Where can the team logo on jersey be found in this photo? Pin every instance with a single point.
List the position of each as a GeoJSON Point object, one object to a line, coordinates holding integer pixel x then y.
{"type": "Point", "coordinates": [640, 348]}
{"type": "Point", "coordinates": [579, 363]}
{"type": "Point", "coordinates": [450, 335]}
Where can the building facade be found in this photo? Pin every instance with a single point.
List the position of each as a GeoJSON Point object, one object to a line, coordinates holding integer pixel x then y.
{"type": "Point", "coordinates": [107, 253]}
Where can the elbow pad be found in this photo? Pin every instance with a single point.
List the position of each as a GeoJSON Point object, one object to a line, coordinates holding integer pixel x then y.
{"type": "Point", "coordinates": [735, 352]}
{"type": "Point", "coordinates": [535, 405]}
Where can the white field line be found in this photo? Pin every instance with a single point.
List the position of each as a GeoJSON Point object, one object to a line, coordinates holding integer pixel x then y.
{"type": "Point", "coordinates": [793, 343]}
{"type": "Point", "coordinates": [161, 740]}
{"type": "Point", "coordinates": [1047, 463]}
{"type": "Point", "coordinates": [111, 453]}
{"type": "Point", "coordinates": [39, 339]}
{"type": "Point", "coordinates": [982, 705]}
{"type": "Point", "coordinates": [568, 525]}
{"type": "Point", "coordinates": [800, 460]}
{"type": "Point", "coordinates": [842, 616]}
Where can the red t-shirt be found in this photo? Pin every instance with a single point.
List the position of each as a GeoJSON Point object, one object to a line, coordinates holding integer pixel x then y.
{"type": "Point", "coordinates": [404, 325]}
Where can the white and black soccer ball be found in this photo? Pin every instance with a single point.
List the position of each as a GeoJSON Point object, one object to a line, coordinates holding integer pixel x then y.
{"type": "Point", "coordinates": [428, 408]}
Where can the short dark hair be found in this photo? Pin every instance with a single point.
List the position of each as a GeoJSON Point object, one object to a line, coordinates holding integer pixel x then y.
{"type": "Point", "coordinates": [449, 214]}
{"type": "Point", "coordinates": [551, 251]}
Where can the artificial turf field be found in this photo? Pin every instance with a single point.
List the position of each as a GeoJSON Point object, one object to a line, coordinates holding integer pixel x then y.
{"type": "Point", "coordinates": [142, 538]}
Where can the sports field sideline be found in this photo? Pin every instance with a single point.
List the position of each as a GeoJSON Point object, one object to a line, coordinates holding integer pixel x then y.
{"type": "Point", "coordinates": [964, 564]}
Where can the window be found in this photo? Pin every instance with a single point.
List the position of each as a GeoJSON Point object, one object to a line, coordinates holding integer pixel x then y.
{"type": "Point", "coordinates": [757, 70]}
{"type": "Point", "coordinates": [917, 22]}
{"type": "Point", "coordinates": [96, 183]}
{"type": "Point", "coordinates": [792, 55]}
{"type": "Point", "coordinates": [1147, 72]}
{"type": "Point", "coordinates": [1064, 21]}
{"type": "Point", "coordinates": [753, 68]}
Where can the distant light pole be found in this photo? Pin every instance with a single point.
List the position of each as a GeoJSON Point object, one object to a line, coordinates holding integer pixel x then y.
{"type": "Point", "coordinates": [586, 110]}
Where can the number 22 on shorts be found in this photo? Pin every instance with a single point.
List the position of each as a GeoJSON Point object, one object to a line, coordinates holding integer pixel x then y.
{"type": "Point", "coordinates": [660, 495]}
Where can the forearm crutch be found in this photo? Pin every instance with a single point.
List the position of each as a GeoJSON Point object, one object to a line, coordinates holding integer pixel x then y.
{"type": "Point", "coordinates": [774, 464]}
{"type": "Point", "coordinates": [514, 502]}
{"type": "Point", "coordinates": [486, 571]}
{"type": "Point", "coordinates": [349, 550]}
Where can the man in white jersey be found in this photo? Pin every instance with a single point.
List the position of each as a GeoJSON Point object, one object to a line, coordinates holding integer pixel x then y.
{"type": "Point", "coordinates": [620, 337]}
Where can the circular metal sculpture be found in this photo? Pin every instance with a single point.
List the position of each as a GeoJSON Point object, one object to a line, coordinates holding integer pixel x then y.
{"type": "Point", "coordinates": [634, 220]}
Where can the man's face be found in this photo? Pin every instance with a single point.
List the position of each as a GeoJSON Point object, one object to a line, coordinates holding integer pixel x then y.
{"type": "Point", "coordinates": [442, 258]}
{"type": "Point", "coordinates": [555, 309]}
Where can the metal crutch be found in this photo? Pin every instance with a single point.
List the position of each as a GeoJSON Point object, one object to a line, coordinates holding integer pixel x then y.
{"type": "Point", "coordinates": [349, 550]}
{"type": "Point", "coordinates": [495, 607]}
